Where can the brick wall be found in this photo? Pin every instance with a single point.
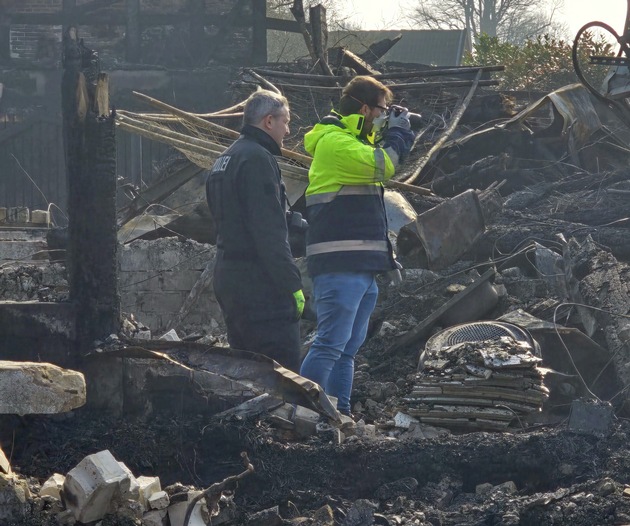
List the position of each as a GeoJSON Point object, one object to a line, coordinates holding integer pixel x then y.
{"type": "Point", "coordinates": [157, 276]}
{"type": "Point", "coordinates": [35, 42]}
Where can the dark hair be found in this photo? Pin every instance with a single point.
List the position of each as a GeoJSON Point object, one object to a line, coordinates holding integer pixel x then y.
{"type": "Point", "coordinates": [363, 90]}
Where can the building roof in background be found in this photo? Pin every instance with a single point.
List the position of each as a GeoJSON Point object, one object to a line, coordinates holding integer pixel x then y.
{"type": "Point", "coordinates": [430, 47]}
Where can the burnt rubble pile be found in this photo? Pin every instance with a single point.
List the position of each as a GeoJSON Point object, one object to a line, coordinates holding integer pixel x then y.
{"type": "Point", "coordinates": [541, 195]}
{"type": "Point", "coordinates": [45, 282]}
{"type": "Point", "coordinates": [482, 385]}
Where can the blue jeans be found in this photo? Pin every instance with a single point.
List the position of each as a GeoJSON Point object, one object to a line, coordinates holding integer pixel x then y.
{"type": "Point", "coordinates": [344, 302]}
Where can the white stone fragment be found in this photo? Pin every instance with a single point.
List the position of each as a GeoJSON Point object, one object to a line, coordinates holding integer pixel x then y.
{"type": "Point", "coordinates": [39, 388]}
{"type": "Point", "coordinates": [53, 486]}
{"type": "Point", "coordinates": [40, 217]}
{"type": "Point", "coordinates": [159, 500]}
{"type": "Point", "coordinates": [134, 487]}
{"type": "Point", "coordinates": [90, 487]}
{"type": "Point", "coordinates": [148, 486]}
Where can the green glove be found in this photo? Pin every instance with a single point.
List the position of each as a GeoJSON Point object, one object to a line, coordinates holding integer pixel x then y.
{"type": "Point", "coordinates": [299, 301]}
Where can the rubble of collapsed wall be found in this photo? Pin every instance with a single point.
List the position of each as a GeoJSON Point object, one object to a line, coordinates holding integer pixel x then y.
{"type": "Point", "coordinates": [156, 279]}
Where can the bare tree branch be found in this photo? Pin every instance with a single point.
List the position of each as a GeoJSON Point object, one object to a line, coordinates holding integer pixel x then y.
{"type": "Point", "coordinates": [509, 20]}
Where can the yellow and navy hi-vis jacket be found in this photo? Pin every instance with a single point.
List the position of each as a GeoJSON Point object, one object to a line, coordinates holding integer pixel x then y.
{"type": "Point", "coordinates": [345, 207]}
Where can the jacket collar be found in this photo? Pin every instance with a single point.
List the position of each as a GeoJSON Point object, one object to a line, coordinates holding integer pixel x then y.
{"type": "Point", "coordinates": [262, 138]}
{"type": "Point", "coordinates": [352, 123]}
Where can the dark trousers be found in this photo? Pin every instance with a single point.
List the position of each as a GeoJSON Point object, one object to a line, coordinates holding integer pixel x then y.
{"type": "Point", "coordinates": [258, 318]}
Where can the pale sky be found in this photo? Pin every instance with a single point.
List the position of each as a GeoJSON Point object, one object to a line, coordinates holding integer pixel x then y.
{"type": "Point", "coordinates": [392, 14]}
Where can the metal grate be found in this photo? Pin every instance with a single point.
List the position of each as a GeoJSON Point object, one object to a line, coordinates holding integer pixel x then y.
{"type": "Point", "coordinates": [478, 331]}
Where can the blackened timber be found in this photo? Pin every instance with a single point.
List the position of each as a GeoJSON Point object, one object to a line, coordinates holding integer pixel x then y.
{"type": "Point", "coordinates": [319, 32]}
{"type": "Point", "coordinates": [5, 43]}
{"type": "Point", "coordinates": [197, 32]}
{"type": "Point", "coordinates": [259, 32]}
{"type": "Point", "coordinates": [132, 35]}
{"type": "Point", "coordinates": [280, 24]}
{"type": "Point", "coordinates": [90, 146]}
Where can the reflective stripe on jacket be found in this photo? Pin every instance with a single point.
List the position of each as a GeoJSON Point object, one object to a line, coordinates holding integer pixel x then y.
{"type": "Point", "coordinates": [345, 207]}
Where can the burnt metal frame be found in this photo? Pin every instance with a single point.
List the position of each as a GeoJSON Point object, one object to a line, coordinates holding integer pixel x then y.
{"type": "Point", "coordinates": [621, 59]}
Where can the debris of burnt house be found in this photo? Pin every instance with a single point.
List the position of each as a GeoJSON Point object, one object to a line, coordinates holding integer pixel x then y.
{"type": "Point", "coordinates": [516, 324]}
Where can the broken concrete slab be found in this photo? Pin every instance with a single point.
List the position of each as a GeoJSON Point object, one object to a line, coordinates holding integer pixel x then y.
{"type": "Point", "coordinates": [39, 388]}
{"type": "Point", "coordinates": [53, 486]}
{"type": "Point", "coordinates": [91, 486]}
{"type": "Point", "coordinates": [147, 487]}
{"type": "Point", "coordinates": [159, 500]}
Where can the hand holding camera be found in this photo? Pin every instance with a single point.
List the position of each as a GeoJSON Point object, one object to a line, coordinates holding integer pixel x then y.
{"type": "Point", "coordinates": [398, 117]}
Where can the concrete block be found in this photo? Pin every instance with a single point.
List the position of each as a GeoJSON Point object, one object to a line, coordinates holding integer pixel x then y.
{"type": "Point", "coordinates": [39, 388]}
{"type": "Point", "coordinates": [22, 250]}
{"type": "Point", "coordinates": [41, 217]}
{"type": "Point", "coordinates": [182, 280]}
{"type": "Point", "coordinates": [3, 214]}
{"type": "Point", "coordinates": [155, 518]}
{"type": "Point", "coordinates": [199, 516]}
{"type": "Point", "coordinates": [163, 302]}
{"type": "Point", "coordinates": [134, 487]}
{"type": "Point", "coordinates": [18, 214]}
{"type": "Point", "coordinates": [90, 487]}
{"type": "Point", "coordinates": [53, 486]}
{"type": "Point", "coordinates": [159, 500]}
{"type": "Point", "coordinates": [148, 486]}
{"type": "Point", "coordinates": [138, 280]}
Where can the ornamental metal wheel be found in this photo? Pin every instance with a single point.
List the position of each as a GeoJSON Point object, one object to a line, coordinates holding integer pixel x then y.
{"type": "Point", "coordinates": [596, 53]}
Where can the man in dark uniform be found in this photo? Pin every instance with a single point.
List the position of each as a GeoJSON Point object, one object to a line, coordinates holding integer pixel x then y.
{"type": "Point", "coordinates": [256, 281]}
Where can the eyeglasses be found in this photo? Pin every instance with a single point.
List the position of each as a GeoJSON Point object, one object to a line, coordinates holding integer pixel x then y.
{"type": "Point", "coordinates": [382, 108]}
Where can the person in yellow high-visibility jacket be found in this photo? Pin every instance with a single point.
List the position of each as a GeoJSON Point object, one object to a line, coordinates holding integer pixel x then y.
{"type": "Point", "coordinates": [347, 243]}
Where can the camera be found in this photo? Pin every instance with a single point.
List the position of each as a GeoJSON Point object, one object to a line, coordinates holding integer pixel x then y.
{"type": "Point", "coordinates": [415, 119]}
{"type": "Point", "coordinates": [296, 222]}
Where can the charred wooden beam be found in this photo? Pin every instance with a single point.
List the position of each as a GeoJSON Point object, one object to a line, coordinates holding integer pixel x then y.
{"type": "Point", "coordinates": [319, 32]}
{"type": "Point", "coordinates": [133, 33]}
{"type": "Point", "coordinates": [90, 145]}
{"type": "Point", "coordinates": [5, 42]}
{"type": "Point", "coordinates": [197, 35]}
{"type": "Point", "coordinates": [378, 49]}
{"type": "Point", "coordinates": [298, 12]}
{"type": "Point", "coordinates": [280, 24]}
{"type": "Point", "coordinates": [345, 57]}
{"type": "Point", "coordinates": [259, 32]}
